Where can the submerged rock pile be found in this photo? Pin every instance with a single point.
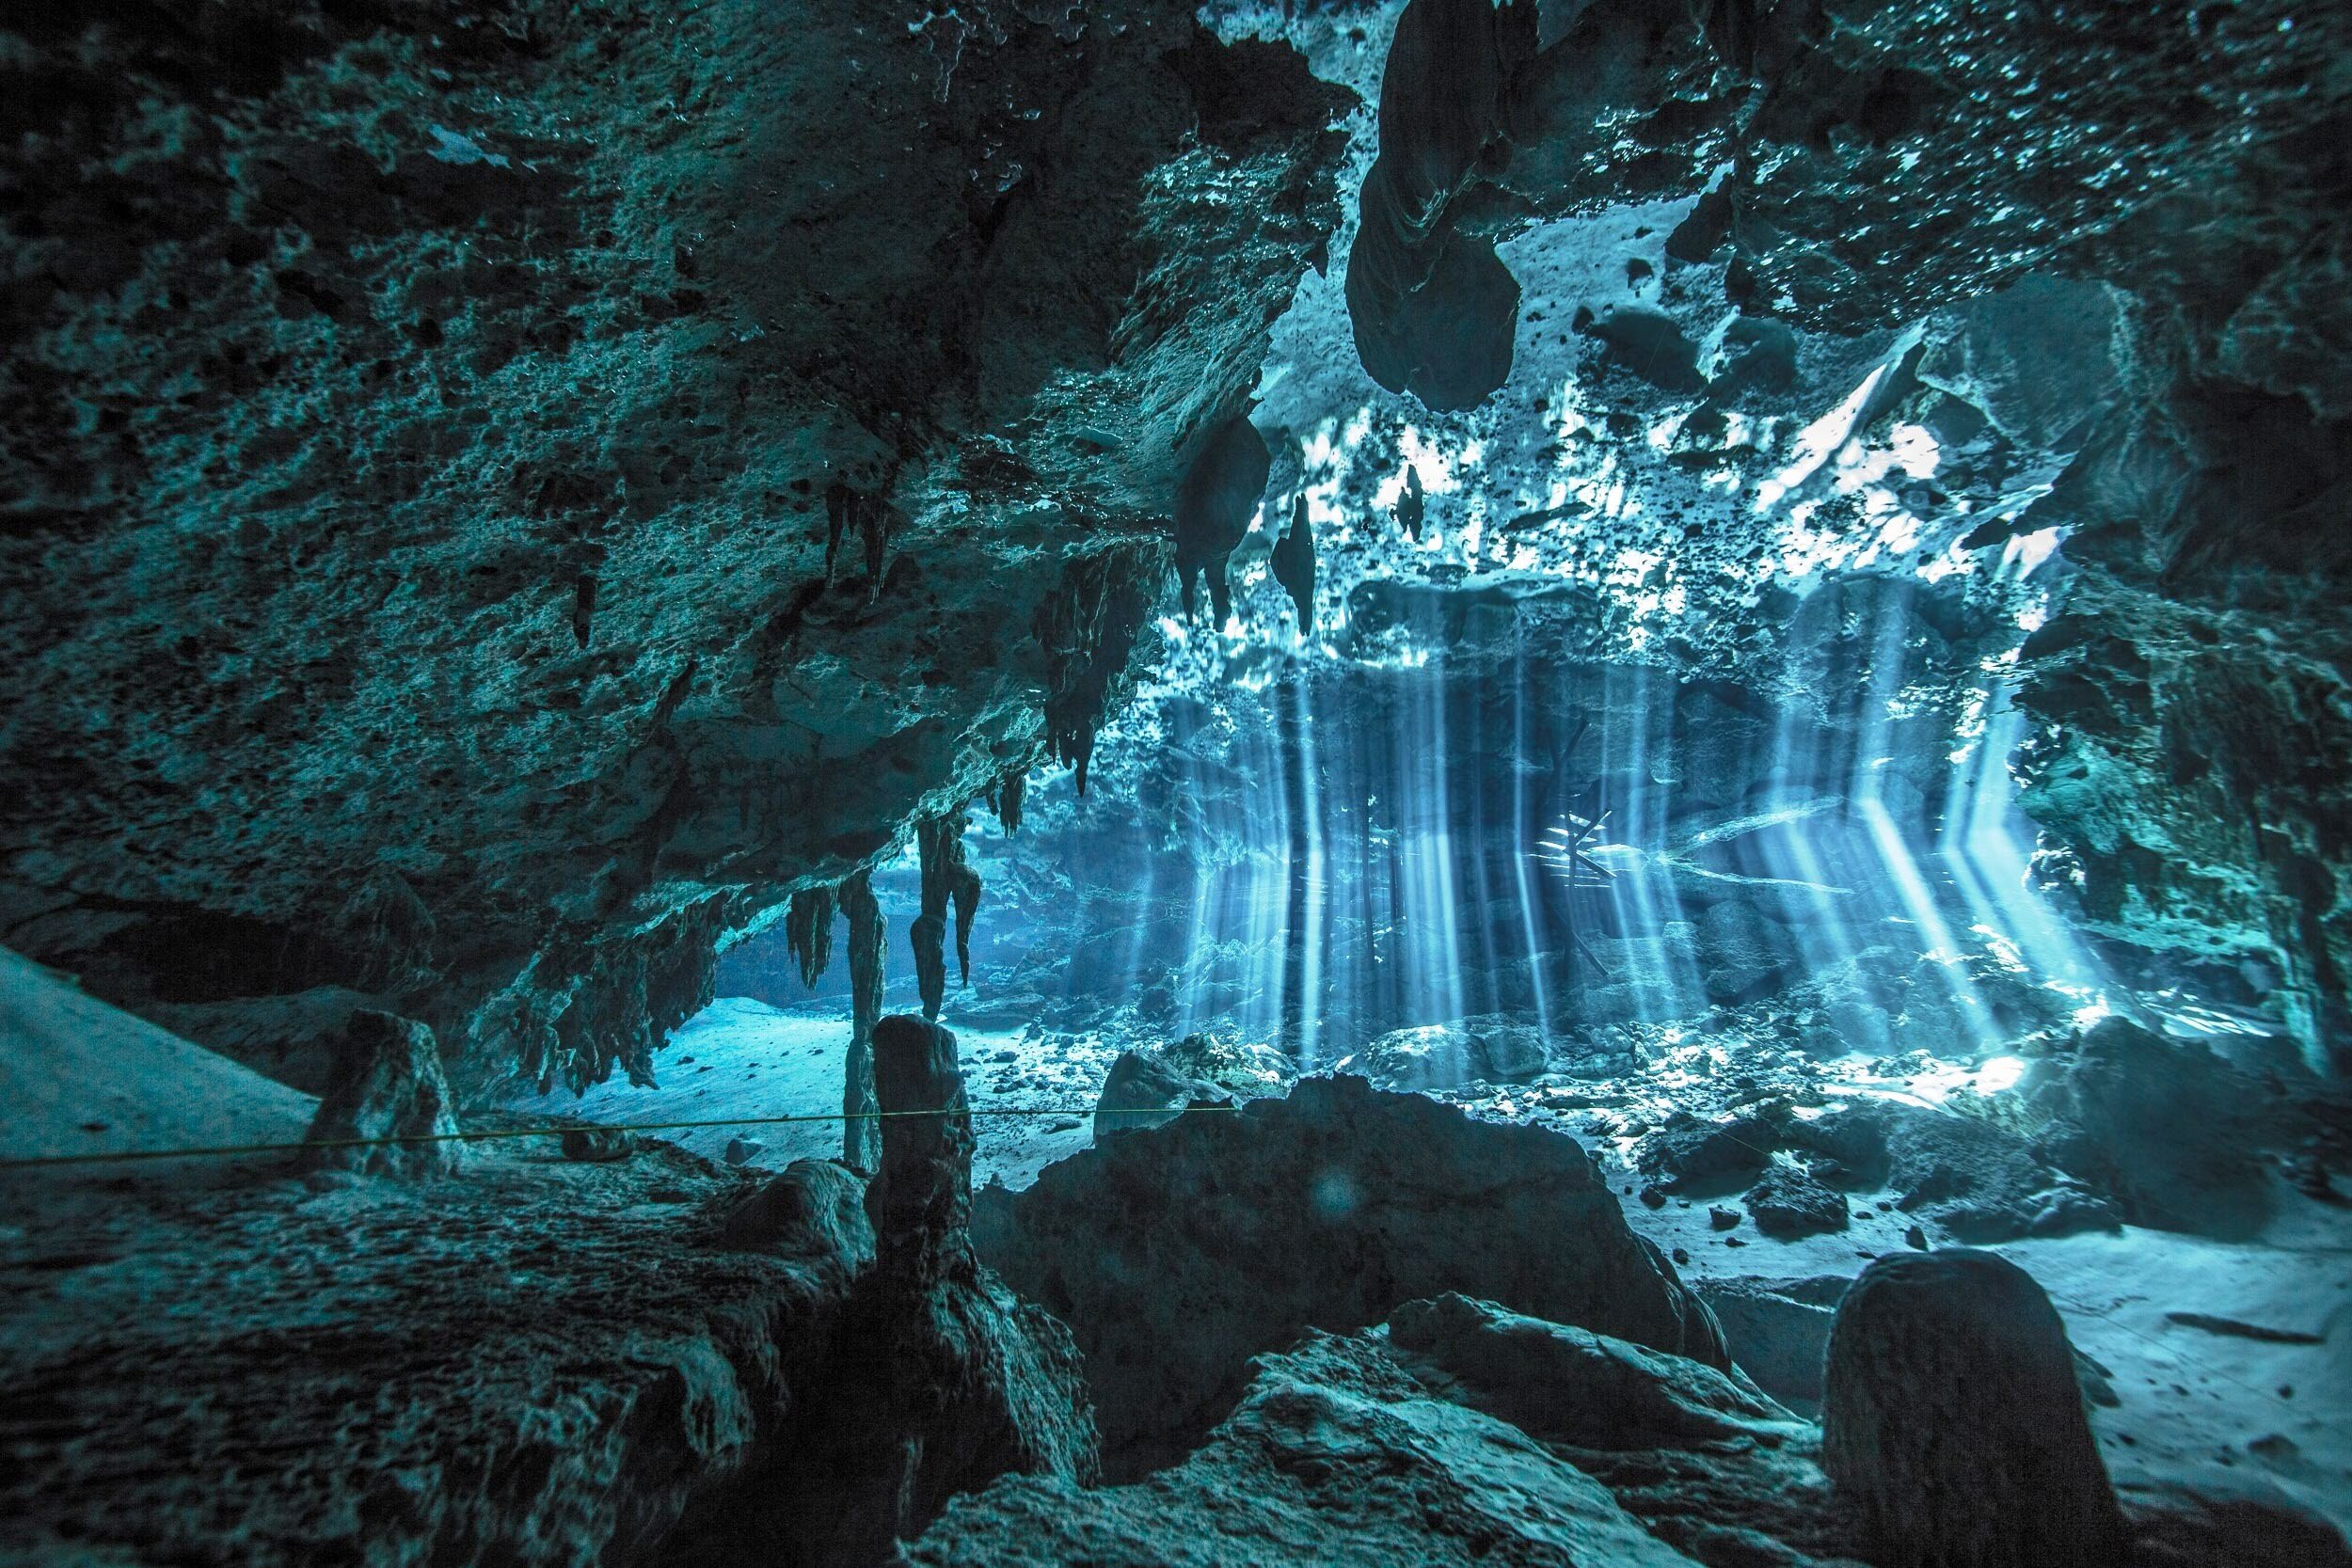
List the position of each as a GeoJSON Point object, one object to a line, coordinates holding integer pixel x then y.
{"type": "Point", "coordinates": [1177, 1253]}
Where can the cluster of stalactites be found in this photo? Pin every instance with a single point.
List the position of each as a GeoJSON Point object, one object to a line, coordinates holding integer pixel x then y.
{"type": "Point", "coordinates": [808, 932]}
{"type": "Point", "coordinates": [869, 514]}
{"type": "Point", "coordinates": [947, 879]}
{"type": "Point", "coordinates": [1005, 799]}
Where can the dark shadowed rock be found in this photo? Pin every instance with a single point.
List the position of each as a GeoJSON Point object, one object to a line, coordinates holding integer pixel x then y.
{"type": "Point", "coordinates": [1952, 1425]}
{"type": "Point", "coordinates": [815, 1207]}
{"type": "Point", "coordinates": [1708, 1160]}
{"type": "Point", "coordinates": [1568, 1384]}
{"type": "Point", "coordinates": [1776, 1338]}
{"type": "Point", "coordinates": [1177, 1253]}
{"type": "Point", "coordinates": [2166, 1126]}
{"type": "Point", "coordinates": [1979, 1181]}
{"type": "Point", "coordinates": [938, 1380]}
{"type": "Point", "coordinates": [597, 1144]}
{"type": "Point", "coordinates": [387, 1083]}
{"type": "Point", "coordinates": [1788, 1204]}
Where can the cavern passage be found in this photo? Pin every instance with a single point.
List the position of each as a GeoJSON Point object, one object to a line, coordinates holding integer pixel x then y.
{"type": "Point", "coordinates": [1132, 782]}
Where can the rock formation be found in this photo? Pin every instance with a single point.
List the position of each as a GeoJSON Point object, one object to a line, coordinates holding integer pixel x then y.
{"type": "Point", "coordinates": [1175, 1254]}
{"type": "Point", "coordinates": [861, 1133]}
{"type": "Point", "coordinates": [457, 333]}
{"type": "Point", "coordinates": [1951, 1422]}
{"type": "Point", "coordinates": [1213, 505]}
{"type": "Point", "coordinates": [1143, 1091]}
{"type": "Point", "coordinates": [1337, 1457]}
{"type": "Point", "coordinates": [947, 878]}
{"type": "Point", "coordinates": [387, 1107]}
{"type": "Point", "coordinates": [936, 1379]}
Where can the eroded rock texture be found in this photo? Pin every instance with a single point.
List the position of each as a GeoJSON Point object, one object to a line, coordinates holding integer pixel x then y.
{"type": "Point", "coordinates": [387, 1108]}
{"type": "Point", "coordinates": [540, 1362]}
{"type": "Point", "coordinates": [432, 432]}
{"type": "Point", "coordinates": [1336, 1457]}
{"type": "Point", "coordinates": [1176, 1253]}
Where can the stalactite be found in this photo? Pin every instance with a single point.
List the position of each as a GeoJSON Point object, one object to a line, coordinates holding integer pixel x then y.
{"type": "Point", "coordinates": [947, 878]}
{"type": "Point", "coordinates": [808, 932]}
{"type": "Point", "coordinates": [862, 1133]}
{"type": "Point", "coordinates": [1294, 565]}
{"type": "Point", "coordinates": [1008, 797]}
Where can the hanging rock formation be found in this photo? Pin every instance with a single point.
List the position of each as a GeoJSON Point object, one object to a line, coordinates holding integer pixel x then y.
{"type": "Point", "coordinates": [337, 516]}
{"type": "Point", "coordinates": [868, 939]}
{"type": "Point", "coordinates": [947, 879]}
{"type": "Point", "coordinates": [1434, 309]}
{"type": "Point", "coordinates": [808, 928]}
{"type": "Point", "coordinates": [387, 1083]}
{"type": "Point", "coordinates": [1294, 563]}
{"type": "Point", "coordinates": [1213, 505]}
{"type": "Point", "coordinates": [1952, 1423]}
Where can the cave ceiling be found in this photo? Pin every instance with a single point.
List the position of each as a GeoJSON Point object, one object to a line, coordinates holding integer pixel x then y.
{"type": "Point", "coordinates": [499, 495]}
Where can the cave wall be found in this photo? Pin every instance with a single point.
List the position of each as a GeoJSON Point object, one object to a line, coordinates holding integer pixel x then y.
{"type": "Point", "coordinates": [497, 494]}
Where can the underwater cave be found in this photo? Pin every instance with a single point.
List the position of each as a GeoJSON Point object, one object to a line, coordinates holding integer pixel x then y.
{"type": "Point", "coordinates": [1124, 783]}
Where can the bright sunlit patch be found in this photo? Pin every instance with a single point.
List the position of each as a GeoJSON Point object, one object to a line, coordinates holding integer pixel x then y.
{"type": "Point", "coordinates": [2001, 1073]}
{"type": "Point", "coordinates": [2028, 552]}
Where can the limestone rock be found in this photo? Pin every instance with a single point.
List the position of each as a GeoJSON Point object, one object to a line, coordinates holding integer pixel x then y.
{"type": "Point", "coordinates": [937, 1379]}
{"type": "Point", "coordinates": [1777, 1339]}
{"type": "Point", "coordinates": [1143, 1090]}
{"type": "Point", "coordinates": [1788, 1204]}
{"type": "Point", "coordinates": [1445, 1056]}
{"type": "Point", "coordinates": [1176, 1254]}
{"type": "Point", "coordinates": [813, 1208]}
{"type": "Point", "coordinates": [1979, 1181]}
{"type": "Point", "coordinates": [597, 1144]}
{"type": "Point", "coordinates": [1571, 1386]}
{"type": "Point", "coordinates": [1243, 1068]}
{"type": "Point", "coordinates": [2166, 1126]}
{"type": "Point", "coordinates": [1335, 1458]}
{"type": "Point", "coordinates": [1952, 1424]}
{"type": "Point", "coordinates": [387, 1083]}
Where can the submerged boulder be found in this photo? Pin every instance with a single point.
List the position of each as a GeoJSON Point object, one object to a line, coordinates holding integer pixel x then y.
{"type": "Point", "coordinates": [1952, 1425]}
{"type": "Point", "coordinates": [2166, 1126]}
{"type": "Point", "coordinates": [1789, 1203]}
{"type": "Point", "coordinates": [1977, 1179]}
{"type": "Point", "coordinates": [1176, 1254]}
{"type": "Point", "coordinates": [386, 1083]}
{"type": "Point", "coordinates": [1143, 1090]}
{"type": "Point", "coordinates": [1448, 1056]}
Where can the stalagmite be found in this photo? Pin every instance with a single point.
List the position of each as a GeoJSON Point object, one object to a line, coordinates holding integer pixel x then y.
{"type": "Point", "coordinates": [939, 1380]}
{"type": "Point", "coordinates": [947, 878]}
{"type": "Point", "coordinates": [861, 1133]}
{"type": "Point", "coordinates": [808, 930]}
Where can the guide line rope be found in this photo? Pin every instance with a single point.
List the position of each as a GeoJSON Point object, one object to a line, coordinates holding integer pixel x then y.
{"type": "Point", "coordinates": [489, 1135]}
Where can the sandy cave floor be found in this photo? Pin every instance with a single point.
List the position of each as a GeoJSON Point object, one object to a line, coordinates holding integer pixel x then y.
{"type": "Point", "coordinates": [2192, 1402]}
